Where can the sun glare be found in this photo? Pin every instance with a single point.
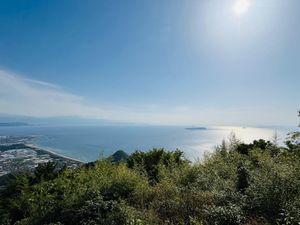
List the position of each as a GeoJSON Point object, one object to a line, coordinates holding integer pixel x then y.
{"type": "Point", "coordinates": [240, 7]}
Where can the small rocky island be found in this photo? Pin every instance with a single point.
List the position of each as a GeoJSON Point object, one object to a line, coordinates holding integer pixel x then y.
{"type": "Point", "coordinates": [196, 128]}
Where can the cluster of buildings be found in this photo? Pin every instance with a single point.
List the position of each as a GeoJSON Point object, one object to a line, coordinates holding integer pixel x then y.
{"type": "Point", "coordinates": [16, 156]}
{"type": "Point", "coordinates": [20, 159]}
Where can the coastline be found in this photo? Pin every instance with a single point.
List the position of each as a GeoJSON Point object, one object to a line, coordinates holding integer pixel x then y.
{"type": "Point", "coordinates": [19, 154]}
{"type": "Point", "coordinates": [52, 153]}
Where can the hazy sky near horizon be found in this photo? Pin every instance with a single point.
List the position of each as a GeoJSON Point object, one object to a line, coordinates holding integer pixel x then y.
{"type": "Point", "coordinates": [220, 62]}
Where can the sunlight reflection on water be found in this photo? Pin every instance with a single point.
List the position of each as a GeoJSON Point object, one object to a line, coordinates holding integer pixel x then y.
{"type": "Point", "coordinates": [88, 142]}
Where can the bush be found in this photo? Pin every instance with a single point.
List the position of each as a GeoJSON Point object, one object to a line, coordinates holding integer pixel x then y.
{"type": "Point", "coordinates": [251, 184]}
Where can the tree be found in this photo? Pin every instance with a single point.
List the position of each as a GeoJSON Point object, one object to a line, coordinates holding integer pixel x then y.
{"type": "Point", "coordinates": [151, 160]}
{"type": "Point", "coordinates": [242, 178]}
{"type": "Point", "coordinates": [45, 171]}
{"type": "Point", "coordinates": [293, 141]}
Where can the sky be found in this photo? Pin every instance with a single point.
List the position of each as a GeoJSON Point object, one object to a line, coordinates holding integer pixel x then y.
{"type": "Point", "coordinates": [162, 62]}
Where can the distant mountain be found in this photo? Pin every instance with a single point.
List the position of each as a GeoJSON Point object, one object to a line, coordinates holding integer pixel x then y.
{"type": "Point", "coordinates": [61, 121]}
{"type": "Point", "coordinates": [119, 156]}
{"type": "Point", "coordinates": [13, 124]}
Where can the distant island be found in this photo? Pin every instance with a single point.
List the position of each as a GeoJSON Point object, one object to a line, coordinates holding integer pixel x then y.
{"type": "Point", "coordinates": [13, 124]}
{"type": "Point", "coordinates": [196, 128]}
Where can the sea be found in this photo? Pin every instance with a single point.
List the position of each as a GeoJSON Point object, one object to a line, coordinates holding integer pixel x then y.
{"type": "Point", "coordinates": [89, 143]}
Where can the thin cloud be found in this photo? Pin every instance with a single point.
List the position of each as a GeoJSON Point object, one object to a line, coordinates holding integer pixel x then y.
{"type": "Point", "coordinates": [25, 97]}
{"type": "Point", "coordinates": [42, 83]}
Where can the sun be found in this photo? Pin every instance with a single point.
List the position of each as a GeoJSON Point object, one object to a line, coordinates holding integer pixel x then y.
{"type": "Point", "coordinates": [240, 7]}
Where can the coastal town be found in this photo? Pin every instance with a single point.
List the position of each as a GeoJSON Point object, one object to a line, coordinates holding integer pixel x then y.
{"type": "Point", "coordinates": [18, 154]}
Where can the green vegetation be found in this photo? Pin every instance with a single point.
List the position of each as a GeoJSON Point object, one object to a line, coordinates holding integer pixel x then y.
{"type": "Point", "coordinates": [257, 183]}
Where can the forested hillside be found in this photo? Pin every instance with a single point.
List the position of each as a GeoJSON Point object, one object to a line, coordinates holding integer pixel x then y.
{"type": "Point", "coordinates": [257, 183]}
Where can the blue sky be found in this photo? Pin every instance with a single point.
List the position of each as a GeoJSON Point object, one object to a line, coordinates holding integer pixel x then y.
{"type": "Point", "coordinates": [156, 62]}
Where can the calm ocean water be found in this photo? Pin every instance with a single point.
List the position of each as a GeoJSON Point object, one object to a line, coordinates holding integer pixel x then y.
{"type": "Point", "coordinates": [87, 143]}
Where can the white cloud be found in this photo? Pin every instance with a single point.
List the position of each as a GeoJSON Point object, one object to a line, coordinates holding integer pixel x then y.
{"type": "Point", "coordinates": [41, 83]}
{"type": "Point", "coordinates": [25, 97]}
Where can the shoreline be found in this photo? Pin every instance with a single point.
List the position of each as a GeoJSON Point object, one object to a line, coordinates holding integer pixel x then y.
{"type": "Point", "coordinates": [52, 153]}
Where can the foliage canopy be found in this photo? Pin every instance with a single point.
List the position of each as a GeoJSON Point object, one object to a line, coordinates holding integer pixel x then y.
{"type": "Point", "coordinates": [257, 183]}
